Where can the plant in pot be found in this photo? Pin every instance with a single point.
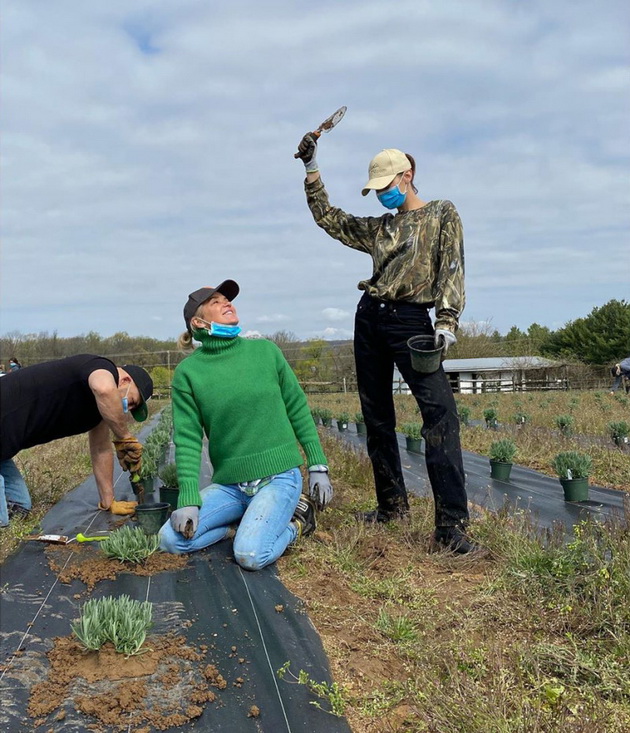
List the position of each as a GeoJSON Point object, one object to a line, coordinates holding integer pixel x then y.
{"type": "Point", "coordinates": [413, 435]}
{"type": "Point", "coordinates": [502, 454]}
{"type": "Point", "coordinates": [490, 415]}
{"type": "Point", "coordinates": [360, 423]}
{"type": "Point", "coordinates": [464, 414]}
{"type": "Point", "coordinates": [315, 413]}
{"type": "Point", "coordinates": [565, 423]}
{"type": "Point", "coordinates": [326, 416]}
{"type": "Point", "coordinates": [343, 418]}
{"type": "Point", "coordinates": [619, 432]}
{"type": "Point", "coordinates": [573, 469]}
{"type": "Point", "coordinates": [169, 489]}
{"type": "Point", "coordinates": [520, 418]}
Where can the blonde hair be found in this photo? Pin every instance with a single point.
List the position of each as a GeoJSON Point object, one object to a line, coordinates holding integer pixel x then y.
{"type": "Point", "coordinates": [185, 340]}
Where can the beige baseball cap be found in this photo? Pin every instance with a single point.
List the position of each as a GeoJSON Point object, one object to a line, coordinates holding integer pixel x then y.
{"type": "Point", "coordinates": [384, 167]}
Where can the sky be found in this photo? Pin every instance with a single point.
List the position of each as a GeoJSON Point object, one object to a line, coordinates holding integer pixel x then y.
{"type": "Point", "coordinates": [147, 150]}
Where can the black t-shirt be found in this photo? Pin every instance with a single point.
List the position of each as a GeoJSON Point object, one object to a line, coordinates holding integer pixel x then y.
{"type": "Point", "coordinates": [47, 401]}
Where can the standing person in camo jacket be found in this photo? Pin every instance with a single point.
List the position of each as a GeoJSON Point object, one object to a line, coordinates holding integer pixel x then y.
{"type": "Point", "coordinates": [418, 264]}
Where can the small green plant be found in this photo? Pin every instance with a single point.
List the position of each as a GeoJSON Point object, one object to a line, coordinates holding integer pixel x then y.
{"type": "Point", "coordinates": [130, 544]}
{"type": "Point", "coordinates": [520, 418]}
{"type": "Point", "coordinates": [490, 415]}
{"type": "Point", "coordinates": [399, 628]}
{"type": "Point", "coordinates": [326, 416]}
{"type": "Point", "coordinates": [412, 430]}
{"type": "Point", "coordinates": [619, 431]}
{"type": "Point", "coordinates": [565, 424]}
{"type": "Point", "coordinates": [332, 693]}
{"type": "Point", "coordinates": [169, 476]}
{"type": "Point", "coordinates": [358, 418]}
{"type": "Point", "coordinates": [343, 417]}
{"type": "Point", "coordinates": [315, 413]}
{"type": "Point", "coordinates": [464, 414]}
{"type": "Point", "coordinates": [572, 464]}
{"type": "Point", "coordinates": [503, 450]}
{"type": "Point", "coordinates": [121, 621]}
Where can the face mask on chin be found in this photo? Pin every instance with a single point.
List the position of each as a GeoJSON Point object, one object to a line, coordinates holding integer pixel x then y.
{"type": "Point", "coordinates": [222, 330]}
{"type": "Point", "coordinates": [393, 198]}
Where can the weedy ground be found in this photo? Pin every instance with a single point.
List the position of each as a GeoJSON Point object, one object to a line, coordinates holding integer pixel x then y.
{"type": "Point", "coordinates": [538, 440]}
{"type": "Point", "coordinates": [532, 636]}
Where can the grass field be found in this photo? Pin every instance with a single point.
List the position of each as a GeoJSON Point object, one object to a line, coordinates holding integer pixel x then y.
{"type": "Point", "coordinates": [530, 637]}
{"type": "Point", "coordinates": [538, 440]}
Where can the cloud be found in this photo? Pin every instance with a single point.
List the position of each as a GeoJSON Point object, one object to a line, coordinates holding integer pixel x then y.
{"type": "Point", "coordinates": [160, 140]}
{"type": "Point", "coordinates": [333, 334]}
{"type": "Point", "coordinates": [335, 314]}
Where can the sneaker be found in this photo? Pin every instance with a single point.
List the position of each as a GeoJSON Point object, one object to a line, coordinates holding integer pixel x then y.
{"type": "Point", "coordinates": [304, 517]}
{"type": "Point", "coordinates": [455, 540]}
{"type": "Point", "coordinates": [378, 516]}
{"type": "Point", "coordinates": [17, 511]}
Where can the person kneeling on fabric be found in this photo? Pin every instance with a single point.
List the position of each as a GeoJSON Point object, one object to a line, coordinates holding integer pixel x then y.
{"type": "Point", "coordinates": [243, 395]}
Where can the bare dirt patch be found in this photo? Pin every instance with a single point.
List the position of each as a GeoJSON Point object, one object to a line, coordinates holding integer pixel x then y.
{"type": "Point", "coordinates": [91, 566]}
{"type": "Point", "coordinates": [164, 687]}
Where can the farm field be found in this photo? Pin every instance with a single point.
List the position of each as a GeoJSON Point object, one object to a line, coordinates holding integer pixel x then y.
{"type": "Point", "coordinates": [539, 439]}
{"type": "Point", "coordinates": [531, 636]}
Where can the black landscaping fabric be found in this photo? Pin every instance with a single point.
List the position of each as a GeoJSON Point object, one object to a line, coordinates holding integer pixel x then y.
{"type": "Point", "coordinates": [527, 489]}
{"type": "Point", "coordinates": [228, 607]}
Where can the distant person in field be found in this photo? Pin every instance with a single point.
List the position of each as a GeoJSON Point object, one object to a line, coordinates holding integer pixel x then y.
{"type": "Point", "coordinates": [619, 371]}
{"type": "Point", "coordinates": [14, 364]}
{"type": "Point", "coordinates": [56, 399]}
{"type": "Point", "coordinates": [244, 397]}
{"type": "Point", "coordinates": [418, 263]}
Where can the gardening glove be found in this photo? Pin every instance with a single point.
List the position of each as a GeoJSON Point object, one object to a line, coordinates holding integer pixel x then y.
{"type": "Point", "coordinates": [129, 454]}
{"type": "Point", "coordinates": [307, 151]}
{"type": "Point", "coordinates": [121, 508]}
{"type": "Point", "coordinates": [443, 335]}
{"type": "Point", "coordinates": [319, 486]}
{"type": "Point", "coordinates": [185, 521]}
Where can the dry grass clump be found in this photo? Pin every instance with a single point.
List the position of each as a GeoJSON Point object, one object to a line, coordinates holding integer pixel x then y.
{"type": "Point", "coordinates": [532, 636]}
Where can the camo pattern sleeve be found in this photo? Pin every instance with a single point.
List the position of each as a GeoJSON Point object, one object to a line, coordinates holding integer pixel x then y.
{"type": "Point", "coordinates": [450, 296]}
{"type": "Point", "coordinates": [356, 232]}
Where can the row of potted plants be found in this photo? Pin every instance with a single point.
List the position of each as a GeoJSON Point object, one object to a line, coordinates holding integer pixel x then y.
{"type": "Point", "coordinates": [573, 468]}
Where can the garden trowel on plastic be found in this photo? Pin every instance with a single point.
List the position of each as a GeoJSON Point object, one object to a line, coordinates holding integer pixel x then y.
{"type": "Point", "coordinates": [62, 539]}
{"type": "Point", "coordinates": [327, 125]}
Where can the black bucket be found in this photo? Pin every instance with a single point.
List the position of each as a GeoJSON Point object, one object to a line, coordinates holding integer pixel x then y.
{"type": "Point", "coordinates": [151, 517]}
{"type": "Point", "coordinates": [425, 358]}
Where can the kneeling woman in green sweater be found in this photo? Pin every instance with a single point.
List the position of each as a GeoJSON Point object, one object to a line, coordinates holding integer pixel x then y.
{"type": "Point", "coordinates": [246, 399]}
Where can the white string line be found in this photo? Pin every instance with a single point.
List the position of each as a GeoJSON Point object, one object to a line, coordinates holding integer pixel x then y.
{"type": "Point", "coordinates": [27, 632]}
{"type": "Point", "coordinates": [273, 675]}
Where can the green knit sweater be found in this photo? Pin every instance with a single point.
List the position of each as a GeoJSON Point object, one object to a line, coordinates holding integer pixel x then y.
{"type": "Point", "coordinates": [246, 399]}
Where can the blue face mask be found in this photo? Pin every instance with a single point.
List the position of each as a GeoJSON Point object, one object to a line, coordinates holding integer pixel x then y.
{"type": "Point", "coordinates": [393, 198]}
{"type": "Point", "coordinates": [125, 401]}
{"type": "Point", "coordinates": [223, 331]}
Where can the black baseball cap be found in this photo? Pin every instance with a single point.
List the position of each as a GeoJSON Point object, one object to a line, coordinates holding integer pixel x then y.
{"type": "Point", "coordinates": [144, 383]}
{"type": "Point", "coordinates": [229, 288]}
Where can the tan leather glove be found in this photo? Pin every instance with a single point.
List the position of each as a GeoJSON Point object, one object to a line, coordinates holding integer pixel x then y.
{"type": "Point", "coordinates": [129, 454]}
{"type": "Point", "coordinates": [122, 508]}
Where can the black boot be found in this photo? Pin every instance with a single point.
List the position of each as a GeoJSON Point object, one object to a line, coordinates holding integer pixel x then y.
{"type": "Point", "coordinates": [454, 539]}
{"type": "Point", "coordinates": [304, 517]}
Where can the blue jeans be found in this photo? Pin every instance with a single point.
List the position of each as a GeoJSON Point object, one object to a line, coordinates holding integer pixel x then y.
{"type": "Point", "coordinates": [12, 488]}
{"type": "Point", "coordinates": [265, 528]}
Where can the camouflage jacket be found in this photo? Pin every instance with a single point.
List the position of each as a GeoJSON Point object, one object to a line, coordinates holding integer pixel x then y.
{"type": "Point", "coordinates": [417, 256]}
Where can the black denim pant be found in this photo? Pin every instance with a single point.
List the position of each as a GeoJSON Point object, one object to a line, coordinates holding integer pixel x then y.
{"type": "Point", "coordinates": [381, 332]}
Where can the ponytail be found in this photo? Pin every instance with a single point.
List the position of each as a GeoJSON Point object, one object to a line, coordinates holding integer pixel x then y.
{"type": "Point", "coordinates": [413, 171]}
{"type": "Point", "coordinates": [184, 342]}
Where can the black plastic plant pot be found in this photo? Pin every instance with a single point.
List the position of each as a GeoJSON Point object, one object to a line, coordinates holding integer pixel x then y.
{"type": "Point", "coordinates": [170, 496]}
{"type": "Point", "coordinates": [342, 426]}
{"type": "Point", "coordinates": [500, 471]}
{"type": "Point", "coordinates": [361, 429]}
{"type": "Point", "coordinates": [425, 358]}
{"type": "Point", "coordinates": [575, 489]}
{"type": "Point", "coordinates": [327, 422]}
{"type": "Point", "coordinates": [414, 445]}
{"type": "Point", "coordinates": [151, 517]}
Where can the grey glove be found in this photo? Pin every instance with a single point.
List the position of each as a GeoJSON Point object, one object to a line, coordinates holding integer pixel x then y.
{"type": "Point", "coordinates": [185, 520]}
{"type": "Point", "coordinates": [445, 336]}
{"type": "Point", "coordinates": [319, 488]}
{"type": "Point", "coordinates": [307, 151]}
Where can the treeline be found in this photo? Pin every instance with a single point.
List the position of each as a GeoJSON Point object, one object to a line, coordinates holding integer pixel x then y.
{"type": "Point", "coordinates": [602, 337]}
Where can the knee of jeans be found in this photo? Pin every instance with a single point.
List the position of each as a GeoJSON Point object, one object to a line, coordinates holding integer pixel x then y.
{"type": "Point", "coordinates": [250, 561]}
{"type": "Point", "coordinates": [170, 541]}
